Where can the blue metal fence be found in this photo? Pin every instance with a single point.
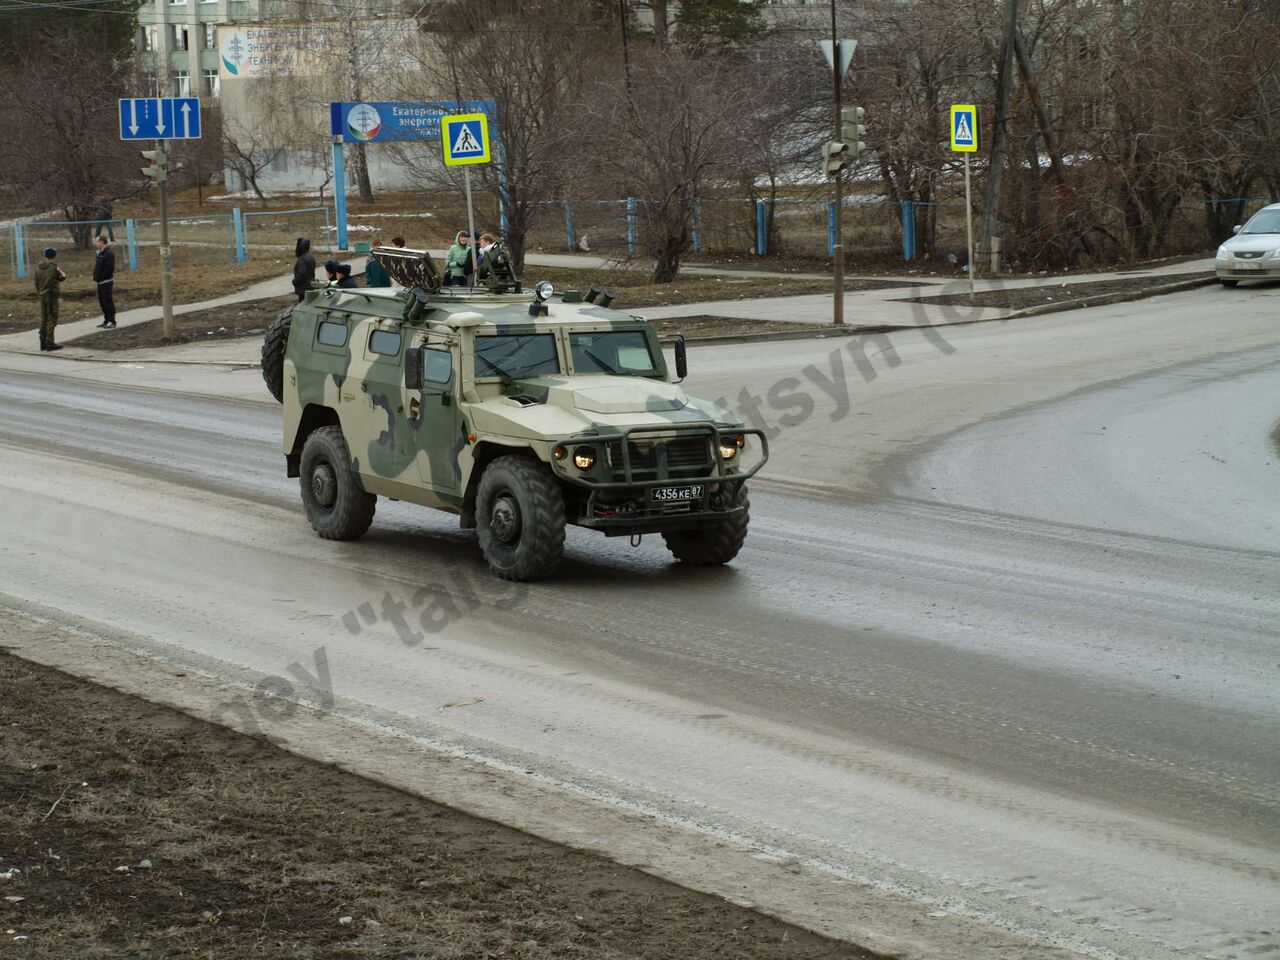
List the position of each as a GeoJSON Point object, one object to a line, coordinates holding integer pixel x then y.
{"type": "Point", "coordinates": [199, 238]}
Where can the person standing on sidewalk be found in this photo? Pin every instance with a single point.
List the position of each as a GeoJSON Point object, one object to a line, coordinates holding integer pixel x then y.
{"type": "Point", "coordinates": [457, 263]}
{"type": "Point", "coordinates": [48, 275]}
{"type": "Point", "coordinates": [104, 275]}
{"type": "Point", "coordinates": [345, 281]}
{"type": "Point", "coordinates": [375, 275]}
{"type": "Point", "coordinates": [304, 269]}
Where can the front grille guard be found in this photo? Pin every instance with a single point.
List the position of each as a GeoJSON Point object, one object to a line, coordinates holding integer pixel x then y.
{"type": "Point", "coordinates": [719, 466]}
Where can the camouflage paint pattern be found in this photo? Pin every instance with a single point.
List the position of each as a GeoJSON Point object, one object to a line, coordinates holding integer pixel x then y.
{"type": "Point", "coordinates": [415, 446]}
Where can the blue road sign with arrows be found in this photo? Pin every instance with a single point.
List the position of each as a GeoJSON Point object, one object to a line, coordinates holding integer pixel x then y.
{"type": "Point", "coordinates": [160, 118]}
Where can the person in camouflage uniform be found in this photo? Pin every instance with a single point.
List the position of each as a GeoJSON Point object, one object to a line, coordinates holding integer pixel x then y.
{"type": "Point", "coordinates": [48, 275]}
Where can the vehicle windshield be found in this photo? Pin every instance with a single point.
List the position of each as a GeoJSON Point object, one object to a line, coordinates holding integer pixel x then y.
{"type": "Point", "coordinates": [624, 352]}
{"type": "Point", "coordinates": [514, 356]}
{"type": "Point", "coordinates": [1266, 221]}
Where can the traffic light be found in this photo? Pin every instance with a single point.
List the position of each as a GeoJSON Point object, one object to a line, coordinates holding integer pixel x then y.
{"type": "Point", "coordinates": [158, 171]}
{"type": "Point", "coordinates": [853, 130]}
{"type": "Point", "coordinates": [835, 157]}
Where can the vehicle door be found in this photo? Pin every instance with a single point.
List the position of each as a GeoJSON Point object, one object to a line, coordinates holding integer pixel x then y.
{"type": "Point", "coordinates": [435, 418]}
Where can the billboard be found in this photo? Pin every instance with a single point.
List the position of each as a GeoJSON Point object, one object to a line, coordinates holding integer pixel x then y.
{"type": "Point", "coordinates": [379, 121]}
{"type": "Point", "coordinates": [314, 48]}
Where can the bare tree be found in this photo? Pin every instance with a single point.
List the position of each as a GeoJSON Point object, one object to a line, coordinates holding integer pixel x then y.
{"type": "Point", "coordinates": [62, 146]}
{"type": "Point", "coordinates": [665, 135]}
{"type": "Point", "coordinates": [534, 59]}
{"type": "Point", "coordinates": [249, 151]}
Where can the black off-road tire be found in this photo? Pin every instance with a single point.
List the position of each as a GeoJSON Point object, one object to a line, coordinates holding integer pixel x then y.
{"type": "Point", "coordinates": [520, 518]}
{"type": "Point", "coordinates": [1229, 283]}
{"type": "Point", "coordinates": [335, 502]}
{"type": "Point", "coordinates": [274, 342]}
{"type": "Point", "coordinates": [716, 544]}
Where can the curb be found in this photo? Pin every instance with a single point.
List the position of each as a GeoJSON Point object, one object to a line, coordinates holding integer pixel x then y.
{"type": "Point", "coordinates": [821, 333]}
{"type": "Point", "coordinates": [1103, 299]}
{"type": "Point", "coordinates": [246, 364]}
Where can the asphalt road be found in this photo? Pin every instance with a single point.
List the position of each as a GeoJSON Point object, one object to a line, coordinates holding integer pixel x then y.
{"type": "Point", "coordinates": [1032, 683]}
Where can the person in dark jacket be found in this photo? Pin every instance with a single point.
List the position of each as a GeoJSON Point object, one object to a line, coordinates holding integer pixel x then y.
{"type": "Point", "coordinates": [375, 275]}
{"type": "Point", "coordinates": [104, 275]}
{"type": "Point", "coordinates": [304, 269]}
{"type": "Point", "coordinates": [345, 280]}
{"type": "Point", "coordinates": [331, 271]}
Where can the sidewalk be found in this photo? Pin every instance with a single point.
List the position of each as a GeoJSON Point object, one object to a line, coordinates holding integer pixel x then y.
{"type": "Point", "coordinates": [28, 341]}
{"type": "Point", "coordinates": [219, 368]}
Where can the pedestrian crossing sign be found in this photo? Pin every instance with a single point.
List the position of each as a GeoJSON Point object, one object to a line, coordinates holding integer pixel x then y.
{"type": "Point", "coordinates": [964, 128]}
{"type": "Point", "coordinates": [465, 138]}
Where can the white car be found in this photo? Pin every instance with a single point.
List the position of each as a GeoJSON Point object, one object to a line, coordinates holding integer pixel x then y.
{"type": "Point", "coordinates": [1254, 252]}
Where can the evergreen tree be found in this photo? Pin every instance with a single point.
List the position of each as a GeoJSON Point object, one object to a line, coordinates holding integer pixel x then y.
{"type": "Point", "coordinates": [723, 23]}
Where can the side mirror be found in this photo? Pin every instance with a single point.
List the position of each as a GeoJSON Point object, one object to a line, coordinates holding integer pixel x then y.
{"type": "Point", "coordinates": [682, 359]}
{"type": "Point", "coordinates": [413, 368]}
{"type": "Point", "coordinates": [1237, 228]}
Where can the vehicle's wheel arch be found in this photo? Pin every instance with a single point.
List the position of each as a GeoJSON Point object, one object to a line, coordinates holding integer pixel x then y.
{"type": "Point", "coordinates": [314, 416]}
{"type": "Point", "coordinates": [485, 452]}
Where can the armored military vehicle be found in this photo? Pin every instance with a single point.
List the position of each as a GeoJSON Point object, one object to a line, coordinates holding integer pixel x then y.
{"type": "Point", "coordinates": [520, 411]}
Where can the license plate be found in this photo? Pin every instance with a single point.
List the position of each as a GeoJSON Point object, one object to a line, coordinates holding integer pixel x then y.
{"type": "Point", "coordinates": [690, 491]}
{"type": "Point", "coordinates": [1248, 266]}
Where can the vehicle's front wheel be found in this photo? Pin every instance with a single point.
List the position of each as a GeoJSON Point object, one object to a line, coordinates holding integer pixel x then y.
{"type": "Point", "coordinates": [1228, 283]}
{"type": "Point", "coordinates": [337, 505]}
{"type": "Point", "coordinates": [713, 545]}
{"type": "Point", "coordinates": [520, 518]}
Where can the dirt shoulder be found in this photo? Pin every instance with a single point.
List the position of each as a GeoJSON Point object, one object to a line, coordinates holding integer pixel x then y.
{"type": "Point", "coordinates": [134, 830]}
{"type": "Point", "coordinates": [251, 318]}
{"type": "Point", "coordinates": [78, 295]}
{"type": "Point", "coordinates": [631, 287]}
{"type": "Point", "coordinates": [634, 289]}
{"type": "Point", "coordinates": [1019, 298]}
{"type": "Point", "coordinates": [199, 326]}
{"type": "Point", "coordinates": [894, 265]}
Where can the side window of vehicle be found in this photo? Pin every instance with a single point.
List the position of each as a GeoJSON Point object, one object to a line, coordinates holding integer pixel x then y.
{"type": "Point", "coordinates": [385, 342]}
{"type": "Point", "coordinates": [332, 334]}
{"type": "Point", "coordinates": [439, 366]}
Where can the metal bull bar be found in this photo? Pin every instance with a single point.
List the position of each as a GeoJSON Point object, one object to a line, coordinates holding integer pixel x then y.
{"type": "Point", "coordinates": [629, 481]}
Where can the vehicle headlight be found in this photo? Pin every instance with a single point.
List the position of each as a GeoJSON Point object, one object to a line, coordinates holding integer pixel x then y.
{"type": "Point", "coordinates": [1224, 253]}
{"type": "Point", "coordinates": [729, 446]}
{"type": "Point", "coordinates": [584, 458]}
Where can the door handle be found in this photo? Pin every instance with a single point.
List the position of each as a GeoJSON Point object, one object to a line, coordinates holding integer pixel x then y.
{"type": "Point", "coordinates": [415, 408]}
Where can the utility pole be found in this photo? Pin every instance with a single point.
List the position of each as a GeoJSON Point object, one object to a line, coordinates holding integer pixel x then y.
{"type": "Point", "coordinates": [166, 256]}
{"type": "Point", "coordinates": [160, 177]}
{"type": "Point", "coordinates": [837, 309]}
{"type": "Point", "coordinates": [623, 17]}
{"type": "Point", "coordinates": [1000, 134]}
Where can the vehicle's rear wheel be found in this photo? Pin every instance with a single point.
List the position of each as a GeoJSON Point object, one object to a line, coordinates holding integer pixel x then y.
{"type": "Point", "coordinates": [716, 544]}
{"type": "Point", "coordinates": [520, 518]}
{"type": "Point", "coordinates": [1228, 283]}
{"type": "Point", "coordinates": [274, 342]}
{"type": "Point", "coordinates": [337, 505]}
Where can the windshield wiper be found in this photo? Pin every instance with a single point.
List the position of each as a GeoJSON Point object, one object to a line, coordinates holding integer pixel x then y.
{"type": "Point", "coordinates": [599, 362]}
{"type": "Point", "coordinates": [507, 378]}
